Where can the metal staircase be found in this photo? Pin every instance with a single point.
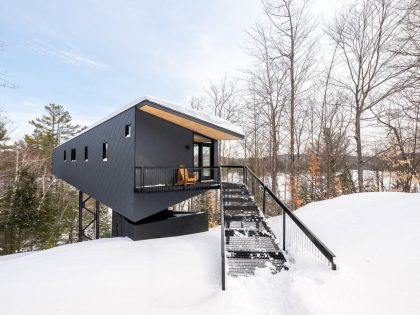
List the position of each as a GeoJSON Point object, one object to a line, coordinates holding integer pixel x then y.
{"type": "Point", "coordinates": [249, 242]}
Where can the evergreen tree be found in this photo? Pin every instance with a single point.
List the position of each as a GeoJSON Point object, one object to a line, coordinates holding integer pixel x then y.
{"type": "Point", "coordinates": [3, 131]}
{"type": "Point", "coordinates": [51, 129]}
{"type": "Point", "coordinates": [37, 211]}
{"type": "Point", "coordinates": [19, 217]}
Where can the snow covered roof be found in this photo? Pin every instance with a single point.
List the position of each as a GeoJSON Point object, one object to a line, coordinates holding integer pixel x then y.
{"type": "Point", "coordinates": [203, 123]}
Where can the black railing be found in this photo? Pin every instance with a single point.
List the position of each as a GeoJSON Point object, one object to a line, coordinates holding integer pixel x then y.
{"type": "Point", "coordinates": [177, 178]}
{"type": "Point", "coordinates": [295, 234]}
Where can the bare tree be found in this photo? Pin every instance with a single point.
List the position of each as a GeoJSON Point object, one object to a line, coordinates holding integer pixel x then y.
{"type": "Point", "coordinates": [294, 43]}
{"type": "Point", "coordinates": [266, 83]}
{"type": "Point", "coordinates": [222, 102]}
{"type": "Point", "coordinates": [367, 34]}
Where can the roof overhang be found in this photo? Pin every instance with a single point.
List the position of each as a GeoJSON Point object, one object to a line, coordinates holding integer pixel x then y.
{"type": "Point", "coordinates": [204, 124]}
{"type": "Point", "coordinates": [197, 121]}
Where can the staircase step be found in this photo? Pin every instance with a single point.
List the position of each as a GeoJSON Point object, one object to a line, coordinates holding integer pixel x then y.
{"type": "Point", "coordinates": [243, 218]}
{"type": "Point", "coordinates": [241, 207]}
{"type": "Point", "coordinates": [234, 191]}
{"type": "Point", "coordinates": [247, 232]}
{"type": "Point", "coordinates": [230, 185]}
{"type": "Point", "coordinates": [255, 255]}
{"type": "Point", "coordinates": [238, 199]}
{"type": "Point", "coordinates": [236, 194]}
{"type": "Point", "coordinates": [254, 244]}
{"type": "Point", "coordinates": [241, 212]}
{"type": "Point", "coordinates": [247, 267]}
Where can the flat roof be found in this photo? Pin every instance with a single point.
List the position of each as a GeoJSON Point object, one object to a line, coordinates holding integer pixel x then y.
{"type": "Point", "coordinates": [192, 119]}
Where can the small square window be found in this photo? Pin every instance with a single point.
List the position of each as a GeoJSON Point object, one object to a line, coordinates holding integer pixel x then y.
{"type": "Point", "coordinates": [65, 156]}
{"type": "Point", "coordinates": [73, 155]}
{"type": "Point", "coordinates": [86, 154]}
{"type": "Point", "coordinates": [127, 131]}
{"type": "Point", "coordinates": [105, 151]}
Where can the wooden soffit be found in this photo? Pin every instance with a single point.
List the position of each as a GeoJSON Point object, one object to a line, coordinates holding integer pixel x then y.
{"type": "Point", "coordinates": [189, 123]}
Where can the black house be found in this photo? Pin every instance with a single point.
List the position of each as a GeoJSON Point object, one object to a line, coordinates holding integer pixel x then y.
{"type": "Point", "coordinates": [141, 160]}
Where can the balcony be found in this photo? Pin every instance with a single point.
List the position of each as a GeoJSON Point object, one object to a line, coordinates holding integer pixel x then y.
{"type": "Point", "coordinates": [152, 179]}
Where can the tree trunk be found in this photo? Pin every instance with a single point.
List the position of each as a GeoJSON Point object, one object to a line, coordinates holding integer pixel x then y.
{"type": "Point", "coordinates": [359, 153]}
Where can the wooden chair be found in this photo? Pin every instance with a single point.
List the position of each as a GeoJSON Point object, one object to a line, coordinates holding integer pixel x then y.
{"type": "Point", "coordinates": [184, 178]}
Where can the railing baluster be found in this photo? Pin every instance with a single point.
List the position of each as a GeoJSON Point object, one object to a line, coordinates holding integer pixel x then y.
{"type": "Point", "coordinates": [284, 231]}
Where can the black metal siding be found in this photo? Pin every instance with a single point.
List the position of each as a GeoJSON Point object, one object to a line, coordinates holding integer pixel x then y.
{"type": "Point", "coordinates": [162, 143]}
{"type": "Point", "coordinates": [109, 182]}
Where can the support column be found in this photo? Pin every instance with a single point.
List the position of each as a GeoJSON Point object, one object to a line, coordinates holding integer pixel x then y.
{"type": "Point", "coordinates": [84, 229]}
{"type": "Point", "coordinates": [80, 216]}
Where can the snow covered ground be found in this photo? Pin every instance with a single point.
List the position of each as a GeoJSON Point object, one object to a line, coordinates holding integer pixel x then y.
{"type": "Point", "coordinates": [376, 237]}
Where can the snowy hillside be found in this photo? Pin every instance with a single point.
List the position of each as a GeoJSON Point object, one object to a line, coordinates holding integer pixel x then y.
{"type": "Point", "coordinates": [376, 237]}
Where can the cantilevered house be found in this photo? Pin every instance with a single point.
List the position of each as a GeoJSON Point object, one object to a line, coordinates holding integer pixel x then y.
{"type": "Point", "coordinates": [144, 158]}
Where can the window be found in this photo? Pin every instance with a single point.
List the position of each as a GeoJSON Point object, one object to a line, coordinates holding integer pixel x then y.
{"type": "Point", "coordinates": [86, 154]}
{"type": "Point", "coordinates": [65, 155]}
{"type": "Point", "coordinates": [73, 155]}
{"type": "Point", "coordinates": [127, 131]}
{"type": "Point", "coordinates": [105, 151]}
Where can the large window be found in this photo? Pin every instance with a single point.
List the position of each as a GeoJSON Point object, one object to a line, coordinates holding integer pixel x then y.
{"type": "Point", "coordinates": [73, 155]}
{"type": "Point", "coordinates": [105, 151]}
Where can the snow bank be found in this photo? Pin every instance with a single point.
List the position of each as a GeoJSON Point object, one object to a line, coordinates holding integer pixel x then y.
{"type": "Point", "coordinates": [376, 238]}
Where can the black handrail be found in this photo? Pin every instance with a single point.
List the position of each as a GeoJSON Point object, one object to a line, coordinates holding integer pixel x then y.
{"type": "Point", "coordinates": [311, 236]}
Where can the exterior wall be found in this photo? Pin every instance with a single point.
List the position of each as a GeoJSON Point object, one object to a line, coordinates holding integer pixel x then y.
{"type": "Point", "coordinates": [109, 182]}
{"type": "Point", "coordinates": [161, 143]}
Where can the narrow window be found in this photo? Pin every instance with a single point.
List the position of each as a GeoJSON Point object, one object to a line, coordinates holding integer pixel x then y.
{"type": "Point", "coordinates": [86, 154]}
{"type": "Point", "coordinates": [73, 155]}
{"type": "Point", "coordinates": [65, 155]}
{"type": "Point", "coordinates": [127, 131]}
{"type": "Point", "coordinates": [105, 151]}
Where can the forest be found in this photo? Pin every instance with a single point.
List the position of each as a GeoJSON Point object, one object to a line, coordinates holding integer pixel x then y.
{"type": "Point", "coordinates": [327, 109]}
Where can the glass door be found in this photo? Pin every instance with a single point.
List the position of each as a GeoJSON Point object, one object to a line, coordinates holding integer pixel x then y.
{"type": "Point", "coordinates": [203, 156]}
{"type": "Point", "coordinates": [206, 160]}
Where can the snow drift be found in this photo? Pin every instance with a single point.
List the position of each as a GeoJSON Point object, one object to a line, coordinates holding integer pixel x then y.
{"type": "Point", "coordinates": [376, 238]}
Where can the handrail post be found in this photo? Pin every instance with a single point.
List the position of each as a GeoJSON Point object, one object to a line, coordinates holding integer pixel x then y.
{"type": "Point", "coordinates": [264, 199]}
{"type": "Point", "coordinates": [284, 230]}
{"type": "Point", "coordinates": [244, 175]}
{"type": "Point", "coordinates": [222, 231]}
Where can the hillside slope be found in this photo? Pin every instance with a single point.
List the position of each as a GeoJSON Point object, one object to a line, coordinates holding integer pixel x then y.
{"type": "Point", "coordinates": [376, 238]}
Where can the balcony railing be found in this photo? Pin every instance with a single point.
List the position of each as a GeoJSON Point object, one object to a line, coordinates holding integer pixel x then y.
{"type": "Point", "coordinates": [178, 178]}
